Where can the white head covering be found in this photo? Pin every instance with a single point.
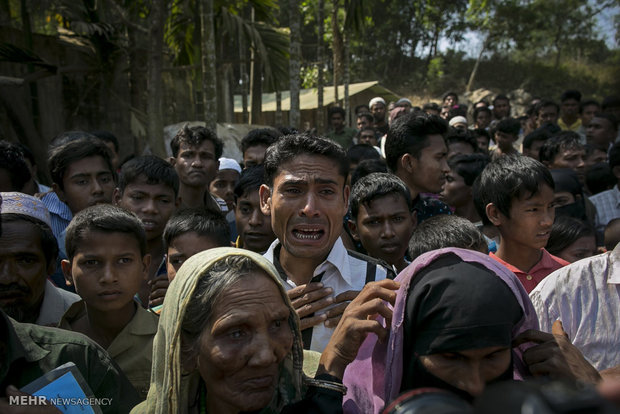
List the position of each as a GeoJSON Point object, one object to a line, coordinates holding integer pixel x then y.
{"type": "Point", "coordinates": [375, 100]}
{"type": "Point", "coordinates": [229, 164]}
{"type": "Point", "coordinates": [457, 120]}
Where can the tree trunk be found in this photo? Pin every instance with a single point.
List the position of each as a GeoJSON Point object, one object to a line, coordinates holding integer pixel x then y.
{"type": "Point", "coordinates": [337, 46]}
{"type": "Point", "coordinates": [294, 62]}
{"type": "Point", "coordinates": [256, 85]}
{"type": "Point", "coordinates": [155, 126]}
{"type": "Point", "coordinates": [243, 76]}
{"type": "Point", "coordinates": [209, 76]}
{"type": "Point", "coordinates": [320, 124]}
{"type": "Point", "coordinates": [472, 76]}
{"type": "Point", "coordinates": [34, 94]}
{"type": "Point", "coordinates": [278, 120]}
{"type": "Point", "coordinates": [346, 80]}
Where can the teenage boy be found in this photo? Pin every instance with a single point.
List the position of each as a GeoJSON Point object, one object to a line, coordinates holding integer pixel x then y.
{"type": "Point", "coordinates": [382, 218]}
{"type": "Point", "coordinates": [415, 150]}
{"type": "Point", "coordinates": [457, 193]}
{"type": "Point", "coordinates": [190, 231]}
{"type": "Point", "coordinates": [223, 185]}
{"type": "Point", "coordinates": [107, 263]}
{"type": "Point", "coordinates": [253, 227]}
{"type": "Point", "coordinates": [506, 134]}
{"type": "Point", "coordinates": [255, 143]}
{"type": "Point", "coordinates": [195, 157]}
{"type": "Point", "coordinates": [517, 193]}
{"type": "Point", "coordinates": [564, 150]}
{"type": "Point", "coordinates": [149, 186]}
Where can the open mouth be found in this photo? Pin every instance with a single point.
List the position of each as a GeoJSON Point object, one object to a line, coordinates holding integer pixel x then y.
{"type": "Point", "coordinates": [308, 234]}
{"type": "Point", "coordinates": [149, 224]}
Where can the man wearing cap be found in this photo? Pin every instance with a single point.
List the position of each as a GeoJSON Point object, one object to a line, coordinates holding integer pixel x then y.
{"type": "Point", "coordinates": [28, 251]}
{"type": "Point", "coordinates": [377, 109]}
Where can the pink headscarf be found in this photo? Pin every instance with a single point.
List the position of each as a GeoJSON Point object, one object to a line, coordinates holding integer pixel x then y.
{"type": "Point", "coordinates": [374, 378]}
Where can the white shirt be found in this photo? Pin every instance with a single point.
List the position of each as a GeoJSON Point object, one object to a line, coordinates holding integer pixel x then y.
{"type": "Point", "coordinates": [585, 296]}
{"type": "Point", "coordinates": [343, 271]}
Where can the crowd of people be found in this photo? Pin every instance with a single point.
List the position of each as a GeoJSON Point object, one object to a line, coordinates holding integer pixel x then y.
{"type": "Point", "coordinates": [413, 261]}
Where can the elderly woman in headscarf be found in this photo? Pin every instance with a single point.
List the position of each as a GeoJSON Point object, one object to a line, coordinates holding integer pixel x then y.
{"type": "Point", "coordinates": [456, 316]}
{"type": "Point", "coordinates": [229, 341]}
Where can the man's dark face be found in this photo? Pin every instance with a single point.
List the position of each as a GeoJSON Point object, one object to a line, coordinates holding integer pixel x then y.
{"type": "Point", "coordinates": [548, 115]}
{"type": "Point", "coordinates": [501, 108]}
{"type": "Point", "coordinates": [23, 270]}
{"type": "Point", "coordinates": [570, 108]}
{"type": "Point", "coordinates": [378, 112]}
{"type": "Point", "coordinates": [337, 121]}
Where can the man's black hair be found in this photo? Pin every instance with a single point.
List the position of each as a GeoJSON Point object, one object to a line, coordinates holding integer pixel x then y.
{"type": "Point", "coordinates": [358, 107]}
{"type": "Point", "coordinates": [481, 109]}
{"type": "Point", "coordinates": [610, 117]}
{"type": "Point", "coordinates": [468, 166]}
{"type": "Point", "coordinates": [366, 115]}
{"type": "Point", "coordinates": [409, 134]}
{"type": "Point", "coordinates": [613, 159]}
{"type": "Point", "coordinates": [251, 179]}
{"type": "Point", "coordinates": [200, 220]}
{"type": "Point", "coordinates": [509, 126]}
{"type": "Point", "coordinates": [107, 136]}
{"type": "Point", "coordinates": [104, 218]}
{"type": "Point", "coordinates": [481, 132]}
{"type": "Point", "coordinates": [443, 231]}
{"type": "Point", "coordinates": [451, 94]}
{"type": "Point", "coordinates": [62, 156]}
{"type": "Point", "coordinates": [544, 104]}
{"type": "Point", "coordinates": [431, 106]}
{"type": "Point", "coordinates": [366, 167]}
{"type": "Point", "coordinates": [260, 136]}
{"type": "Point", "coordinates": [500, 97]}
{"type": "Point", "coordinates": [565, 140]}
{"type": "Point", "coordinates": [599, 178]}
{"type": "Point", "coordinates": [455, 135]}
{"type": "Point", "coordinates": [565, 231]}
{"type": "Point", "coordinates": [154, 169]}
{"type": "Point", "coordinates": [360, 152]}
{"type": "Point", "coordinates": [589, 102]}
{"type": "Point", "coordinates": [571, 94]}
{"type": "Point", "coordinates": [509, 178]}
{"type": "Point", "coordinates": [28, 155]}
{"type": "Point", "coordinates": [13, 162]}
{"type": "Point", "coordinates": [194, 136]}
{"type": "Point", "coordinates": [540, 134]}
{"type": "Point", "coordinates": [457, 110]}
{"type": "Point", "coordinates": [612, 101]}
{"type": "Point", "coordinates": [335, 110]}
{"type": "Point", "coordinates": [374, 186]}
{"type": "Point", "coordinates": [291, 146]}
{"type": "Point", "coordinates": [49, 244]}
{"type": "Point", "coordinates": [68, 136]}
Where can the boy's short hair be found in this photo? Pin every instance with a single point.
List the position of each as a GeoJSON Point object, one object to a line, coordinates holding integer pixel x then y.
{"type": "Point", "coordinates": [431, 106]}
{"type": "Point", "coordinates": [443, 231]}
{"type": "Point", "coordinates": [509, 126]}
{"type": "Point", "coordinates": [507, 178]}
{"type": "Point", "coordinates": [565, 231]}
{"type": "Point", "coordinates": [366, 115]}
{"type": "Point", "coordinates": [377, 185]}
{"type": "Point", "coordinates": [62, 156]}
{"type": "Point", "coordinates": [481, 109]}
{"type": "Point", "coordinates": [540, 134]}
{"type": "Point", "coordinates": [456, 135]}
{"type": "Point", "coordinates": [565, 140]}
{"type": "Point", "coordinates": [468, 166]}
{"type": "Point", "coordinates": [199, 220]}
{"type": "Point", "coordinates": [291, 146]}
{"type": "Point", "coordinates": [366, 167]}
{"type": "Point", "coordinates": [571, 94]}
{"type": "Point", "coordinates": [155, 169]}
{"type": "Point", "coordinates": [409, 134]}
{"type": "Point", "coordinates": [13, 161]}
{"type": "Point", "coordinates": [260, 136]}
{"type": "Point", "coordinates": [544, 104]}
{"type": "Point", "coordinates": [194, 136]}
{"type": "Point", "coordinates": [335, 110]}
{"type": "Point", "coordinates": [250, 180]}
{"type": "Point", "coordinates": [481, 132]}
{"type": "Point", "coordinates": [68, 136]}
{"type": "Point", "coordinates": [107, 136]}
{"type": "Point", "coordinates": [360, 152]}
{"type": "Point", "coordinates": [588, 102]}
{"type": "Point", "coordinates": [500, 97]}
{"type": "Point", "coordinates": [104, 218]}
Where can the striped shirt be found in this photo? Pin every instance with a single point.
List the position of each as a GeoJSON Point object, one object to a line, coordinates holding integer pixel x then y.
{"type": "Point", "coordinates": [343, 270]}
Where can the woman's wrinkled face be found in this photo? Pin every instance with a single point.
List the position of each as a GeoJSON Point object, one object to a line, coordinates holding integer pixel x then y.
{"type": "Point", "coordinates": [242, 346]}
{"type": "Point", "coordinates": [469, 370]}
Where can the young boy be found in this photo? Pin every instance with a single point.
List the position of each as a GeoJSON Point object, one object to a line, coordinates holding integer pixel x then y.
{"type": "Point", "coordinates": [107, 263]}
{"type": "Point", "coordinates": [382, 217]}
{"type": "Point", "coordinates": [149, 186]}
{"type": "Point", "coordinates": [223, 185]}
{"type": "Point", "coordinates": [190, 231]}
{"type": "Point", "coordinates": [253, 227]}
{"type": "Point", "coordinates": [457, 192]}
{"type": "Point", "coordinates": [506, 134]}
{"type": "Point", "coordinates": [517, 193]}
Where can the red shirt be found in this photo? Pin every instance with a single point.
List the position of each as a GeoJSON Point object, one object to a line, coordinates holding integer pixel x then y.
{"type": "Point", "coordinates": [548, 263]}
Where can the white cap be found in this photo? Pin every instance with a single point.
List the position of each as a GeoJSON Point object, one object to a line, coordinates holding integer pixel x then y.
{"type": "Point", "coordinates": [229, 164]}
{"type": "Point", "coordinates": [376, 100]}
{"type": "Point", "coordinates": [457, 120]}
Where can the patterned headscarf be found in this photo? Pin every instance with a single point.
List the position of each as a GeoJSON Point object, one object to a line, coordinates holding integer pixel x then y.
{"type": "Point", "coordinates": [169, 390]}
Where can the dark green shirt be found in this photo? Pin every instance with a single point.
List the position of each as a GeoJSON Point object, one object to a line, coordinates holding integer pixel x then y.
{"type": "Point", "coordinates": [344, 138]}
{"type": "Point", "coordinates": [28, 351]}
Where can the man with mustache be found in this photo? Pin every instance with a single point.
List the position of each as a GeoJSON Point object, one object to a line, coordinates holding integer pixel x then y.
{"type": "Point", "coordinates": [28, 251]}
{"type": "Point", "coordinates": [307, 197]}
